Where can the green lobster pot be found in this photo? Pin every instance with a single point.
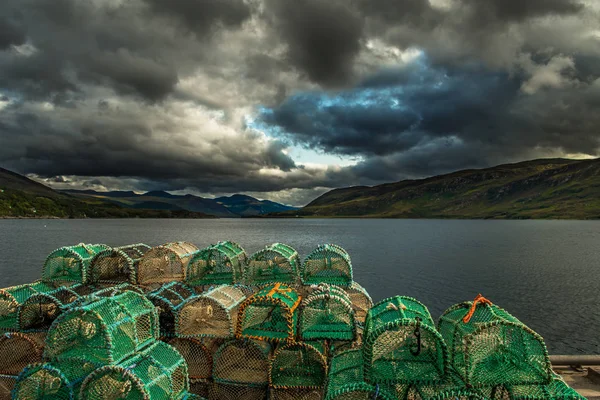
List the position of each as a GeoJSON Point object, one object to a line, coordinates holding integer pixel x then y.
{"type": "Point", "coordinates": [270, 314]}
{"type": "Point", "coordinates": [327, 314]}
{"type": "Point", "coordinates": [297, 366]}
{"type": "Point", "coordinates": [277, 262]}
{"type": "Point", "coordinates": [221, 263]}
{"type": "Point", "coordinates": [116, 265]}
{"type": "Point", "coordinates": [12, 298]}
{"type": "Point", "coordinates": [52, 380]}
{"type": "Point", "coordinates": [212, 314]}
{"type": "Point", "coordinates": [557, 389]}
{"type": "Point", "coordinates": [168, 299]}
{"type": "Point", "coordinates": [360, 300]}
{"type": "Point", "coordinates": [70, 264]}
{"type": "Point", "coordinates": [38, 312]}
{"type": "Point", "coordinates": [103, 331]}
{"type": "Point", "coordinates": [490, 347]}
{"type": "Point", "coordinates": [401, 344]}
{"type": "Point", "coordinates": [157, 372]}
{"type": "Point", "coordinates": [165, 263]}
{"type": "Point", "coordinates": [346, 379]}
{"type": "Point", "coordinates": [328, 263]}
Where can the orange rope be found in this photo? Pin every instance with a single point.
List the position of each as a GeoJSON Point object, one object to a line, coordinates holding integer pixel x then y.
{"type": "Point", "coordinates": [479, 299]}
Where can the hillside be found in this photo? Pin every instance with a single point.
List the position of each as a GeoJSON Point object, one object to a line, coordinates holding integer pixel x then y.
{"type": "Point", "coordinates": [233, 206]}
{"type": "Point", "coordinates": [20, 197]}
{"type": "Point", "coordinates": [544, 189]}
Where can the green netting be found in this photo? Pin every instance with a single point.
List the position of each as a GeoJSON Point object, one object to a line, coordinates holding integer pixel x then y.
{"type": "Point", "coordinates": [212, 314]}
{"type": "Point", "coordinates": [297, 365]}
{"type": "Point", "coordinates": [116, 265]}
{"type": "Point", "coordinates": [220, 263]}
{"type": "Point", "coordinates": [346, 379]}
{"type": "Point", "coordinates": [11, 298]}
{"type": "Point", "coordinates": [17, 350]}
{"type": "Point", "coordinates": [490, 347]}
{"type": "Point", "coordinates": [38, 312]}
{"type": "Point", "coordinates": [104, 292]}
{"type": "Point", "coordinates": [43, 381]}
{"type": "Point", "coordinates": [328, 263]}
{"type": "Point", "coordinates": [105, 330]}
{"type": "Point", "coordinates": [70, 264]}
{"type": "Point", "coordinates": [327, 314]}
{"type": "Point", "coordinates": [277, 262]}
{"type": "Point", "coordinates": [557, 389]}
{"type": "Point", "coordinates": [360, 300]}
{"type": "Point", "coordinates": [451, 388]}
{"type": "Point", "coordinates": [242, 362]}
{"type": "Point", "coordinates": [164, 263]}
{"type": "Point", "coordinates": [401, 344]}
{"type": "Point", "coordinates": [270, 314]}
{"type": "Point", "coordinates": [157, 372]}
{"type": "Point", "coordinates": [168, 299]}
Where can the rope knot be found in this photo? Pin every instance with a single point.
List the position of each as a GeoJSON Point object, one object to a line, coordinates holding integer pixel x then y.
{"type": "Point", "coordinates": [478, 300]}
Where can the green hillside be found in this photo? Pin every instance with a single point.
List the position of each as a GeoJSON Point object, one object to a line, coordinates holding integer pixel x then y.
{"type": "Point", "coordinates": [544, 189]}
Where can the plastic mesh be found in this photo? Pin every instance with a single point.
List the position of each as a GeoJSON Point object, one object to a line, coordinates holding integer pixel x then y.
{"type": "Point", "coordinates": [270, 314]}
{"type": "Point", "coordinates": [11, 298]}
{"type": "Point", "coordinates": [105, 330]}
{"type": "Point", "coordinates": [17, 350]}
{"type": "Point", "coordinates": [168, 299]}
{"type": "Point", "coordinates": [198, 356]}
{"type": "Point", "coordinates": [220, 263]}
{"type": "Point", "coordinates": [401, 344]}
{"type": "Point", "coordinates": [242, 361]}
{"type": "Point", "coordinates": [116, 265]}
{"type": "Point", "coordinates": [297, 365]}
{"type": "Point", "coordinates": [201, 387]}
{"type": "Point", "coordinates": [328, 263]}
{"type": "Point", "coordinates": [212, 314]}
{"type": "Point", "coordinates": [7, 384]}
{"type": "Point", "coordinates": [557, 389]}
{"type": "Point", "coordinates": [229, 391]}
{"type": "Point", "coordinates": [296, 394]}
{"type": "Point", "coordinates": [277, 262]}
{"type": "Point", "coordinates": [327, 314]}
{"type": "Point", "coordinates": [490, 347]}
{"type": "Point", "coordinates": [38, 312]}
{"type": "Point", "coordinates": [70, 264]}
{"type": "Point", "coordinates": [157, 372]}
{"type": "Point", "coordinates": [164, 263]}
{"type": "Point", "coordinates": [360, 300]}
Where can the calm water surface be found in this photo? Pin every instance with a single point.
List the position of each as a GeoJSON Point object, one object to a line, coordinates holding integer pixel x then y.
{"type": "Point", "coordinates": [546, 273]}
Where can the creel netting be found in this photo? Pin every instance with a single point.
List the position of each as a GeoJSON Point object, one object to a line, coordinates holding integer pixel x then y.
{"type": "Point", "coordinates": [242, 362]}
{"type": "Point", "coordinates": [11, 298]}
{"type": "Point", "coordinates": [70, 264]}
{"type": "Point", "coordinates": [164, 263]}
{"type": "Point", "coordinates": [277, 262]}
{"type": "Point", "coordinates": [327, 314]}
{"type": "Point", "coordinates": [221, 263]}
{"type": "Point", "coordinates": [328, 263]}
{"type": "Point", "coordinates": [116, 265]}
{"type": "Point", "coordinates": [168, 299]}
{"type": "Point", "coordinates": [297, 365]}
{"type": "Point", "coordinates": [38, 312]}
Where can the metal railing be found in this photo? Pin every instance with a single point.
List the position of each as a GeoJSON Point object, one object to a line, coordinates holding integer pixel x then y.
{"type": "Point", "coordinates": [575, 359]}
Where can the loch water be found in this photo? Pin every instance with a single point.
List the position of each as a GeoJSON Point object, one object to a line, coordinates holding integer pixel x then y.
{"type": "Point", "coordinates": [546, 273]}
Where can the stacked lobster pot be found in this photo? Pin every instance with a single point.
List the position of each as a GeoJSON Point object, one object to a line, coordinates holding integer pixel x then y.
{"type": "Point", "coordinates": [103, 347]}
{"type": "Point", "coordinates": [115, 266]}
{"type": "Point", "coordinates": [276, 263]}
{"type": "Point", "coordinates": [497, 355]}
{"type": "Point", "coordinates": [163, 264]}
{"type": "Point", "coordinates": [168, 299]}
{"type": "Point", "coordinates": [218, 264]}
{"type": "Point", "coordinates": [70, 264]}
{"type": "Point", "coordinates": [202, 324]}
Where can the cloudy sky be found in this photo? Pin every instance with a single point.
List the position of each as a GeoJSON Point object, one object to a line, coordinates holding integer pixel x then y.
{"type": "Point", "coordinates": [286, 99]}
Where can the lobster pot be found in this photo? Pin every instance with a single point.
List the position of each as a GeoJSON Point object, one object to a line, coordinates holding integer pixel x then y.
{"type": "Point", "coordinates": [401, 344]}
{"type": "Point", "coordinates": [116, 265]}
{"type": "Point", "coordinates": [52, 381]}
{"type": "Point", "coordinates": [297, 366]}
{"type": "Point", "coordinates": [232, 391]}
{"type": "Point", "coordinates": [201, 387]}
{"type": "Point", "coordinates": [360, 300]}
{"type": "Point", "coordinates": [451, 388]}
{"type": "Point", "coordinates": [327, 315]}
{"type": "Point", "coordinates": [17, 350]}
{"type": "Point", "coordinates": [7, 384]}
{"type": "Point", "coordinates": [192, 396]}
{"type": "Point", "coordinates": [212, 314]}
{"type": "Point", "coordinates": [104, 292]}
{"type": "Point", "coordinates": [198, 355]}
{"type": "Point", "coordinates": [83, 290]}
{"type": "Point", "coordinates": [104, 331]}
{"type": "Point", "coordinates": [275, 263]}
{"type": "Point", "coordinates": [158, 372]}
{"type": "Point", "coordinates": [10, 300]}
{"type": "Point", "coordinates": [557, 389]}
{"type": "Point", "coordinates": [38, 312]}
{"type": "Point", "coordinates": [164, 263]}
{"type": "Point", "coordinates": [242, 362]}
{"type": "Point", "coordinates": [221, 263]}
{"type": "Point", "coordinates": [70, 264]}
{"type": "Point", "coordinates": [270, 314]}
{"type": "Point", "coordinates": [168, 298]}
{"type": "Point", "coordinates": [490, 347]}
{"type": "Point", "coordinates": [346, 379]}
{"type": "Point", "coordinates": [328, 263]}
{"type": "Point", "coordinates": [296, 394]}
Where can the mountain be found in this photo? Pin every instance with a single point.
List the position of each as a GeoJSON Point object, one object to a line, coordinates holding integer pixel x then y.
{"type": "Point", "coordinates": [247, 206]}
{"type": "Point", "coordinates": [233, 206]}
{"type": "Point", "coordinates": [542, 189]}
{"type": "Point", "coordinates": [21, 197]}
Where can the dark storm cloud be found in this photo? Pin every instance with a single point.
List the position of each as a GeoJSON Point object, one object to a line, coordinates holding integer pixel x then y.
{"type": "Point", "coordinates": [323, 37]}
{"type": "Point", "coordinates": [10, 34]}
{"type": "Point", "coordinates": [202, 16]}
{"type": "Point", "coordinates": [518, 10]}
